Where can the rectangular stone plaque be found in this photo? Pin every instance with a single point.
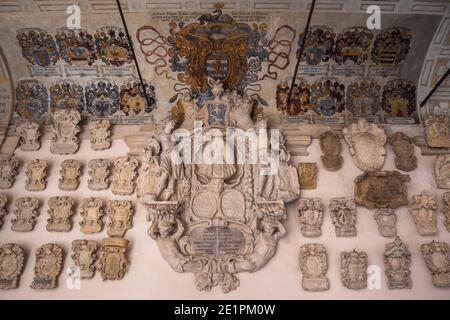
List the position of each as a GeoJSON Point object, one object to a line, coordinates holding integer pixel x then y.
{"type": "Point", "coordinates": [217, 241]}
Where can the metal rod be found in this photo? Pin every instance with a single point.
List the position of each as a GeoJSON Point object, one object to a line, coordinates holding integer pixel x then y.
{"type": "Point", "coordinates": [436, 86]}
{"type": "Point", "coordinates": [302, 48]}
{"type": "Point", "coordinates": [132, 51]}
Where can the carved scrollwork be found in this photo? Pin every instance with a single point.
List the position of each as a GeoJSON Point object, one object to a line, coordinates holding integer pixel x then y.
{"type": "Point", "coordinates": [343, 215]}
{"type": "Point", "coordinates": [12, 259]}
{"type": "Point", "coordinates": [8, 172]}
{"type": "Point", "coordinates": [120, 214]}
{"type": "Point", "coordinates": [70, 173]}
{"type": "Point", "coordinates": [36, 174]}
{"type": "Point", "coordinates": [314, 266]}
{"type": "Point", "coordinates": [446, 209]}
{"type": "Point", "coordinates": [60, 212]}
{"type": "Point", "coordinates": [29, 136]}
{"type": "Point", "coordinates": [99, 133]}
{"type": "Point", "coordinates": [124, 175]}
{"type": "Point", "coordinates": [3, 203]}
{"type": "Point", "coordinates": [84, 257]}
{"type": "Point", "coordinates": [436, 256]}
{"type": "Point", "coordinates": [442, 171]}
{"type": "Point", "coordinates": [113, 262]}
{"type": "Point", "coordinates": [331, 147]}
{"type": "Point", "coordinates": [64, 131]}
{"type": "Point", "coordinates": [48, 266]}
{"type": "Point", "coordinates": [423, 209]}
{"type": "Point", "coordinates": [26, 212]}
{"type": "Point", "coordinates": [397, 259]}
{"type": "Point", "coordinates": [354, 269]}
{"type": "Point", "coordinates": [92, 213]}
{"type": "Point", "coordinates": [99, 174]}
{"type": "Point", "coordinates": [310, 216]}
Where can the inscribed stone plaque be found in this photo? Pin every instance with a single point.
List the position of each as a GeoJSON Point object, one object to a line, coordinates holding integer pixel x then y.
{"type": "Point", "coordinates": [217, 240]}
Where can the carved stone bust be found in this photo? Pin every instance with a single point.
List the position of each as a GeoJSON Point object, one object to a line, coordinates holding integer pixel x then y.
{"type": "Point", "coordinates": [36, 175]}
{"type": "Point", "coordinates": [65, 129]}
{"type": "Point", "coordinates": [29, 136]}
{"type": "Point", "coordinates": [366, 144]}
{"type": "Point", "coordinates": [99, 174]}
{"type": "Point", "coordinates": [343, 215]}
{"type": "Point", "coordinates": [423, 209]}
{"type": "Point", "coordinates": [113, 262]}
{"type": "Point", "coordinates": [397, 259]}
{"type": "Point", "coordinates": [25, 214]}
{"type": "Point", "coordinates": [48, 266]}
{"type": "Point", "coordinates": [354, 269]}
{"type": "Point", "coordinates": [442, 171]}
{"type": "Point", "coordinates": [331, 147]}
{"type": "Point", "coordinates": [8, 172]}
{"type": "Point", "coordinates": [60, 212]}
{"type": "Point", "coordinates": [124, 175]}
{"type": "Point", "coordinates": [100, 134]}
{"type": "Point", "coordinates": [310, 216]}
{"type": "Point", "coordinates": [84, 257]}
{"type": "Point", "coordinates": [12, 258]}
{"type": "Point", "coordinates": [314, 266]}
{"type": "Point", "coordinates": [403, 147]}
{"type": "Point", "coordinates": [70, 172]}
{"type": "Point", "coordinates": [307, 175]}
{"type": "Point", "coordinates": [436, 131]}
{"type": "Point", "coordinates": [386, 219]}
{"type": "Point", "coordinates": [436, 256]}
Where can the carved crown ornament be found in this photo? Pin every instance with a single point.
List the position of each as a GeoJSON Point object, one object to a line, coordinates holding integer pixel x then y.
{"type": "Point", "coordinates": [216, 218]}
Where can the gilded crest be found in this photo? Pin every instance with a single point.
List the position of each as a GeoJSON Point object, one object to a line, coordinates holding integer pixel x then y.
{"type": "Point", "coordinates": [113, 46]}
{"type": "Point", "coordinates": [102, 98]}
{"type": "Point", "coordinates": [12, 260]}
{"type": "Point", "coordinates": [133, 99]}
{"type": "Point", "coordinates": [66, 95]}
{"type": "Point", "coordinates": [319, 45]}
{"type": "Point", "coordinates": [60, 212]}
{"type": "Point", "coordinates": [113, 262]}
{"type": "Point", "coordinates": [38, 47]}
{"type": "Point", "coordinates": [352, 46]}
{"type": "Point", "coordinates": [76, 46]}
{"type": "Point", "coordinates": [31, 99]}
{"type": "Point", "coordinates": [48, 266]}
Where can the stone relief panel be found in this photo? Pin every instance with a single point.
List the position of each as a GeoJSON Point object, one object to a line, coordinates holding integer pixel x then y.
{"type": "Point", "coordinates": [436, 131]}
{"type": "Point", "coordinates": [442, 171]}
{"type": "Point", "coordinates": [381, 189]}
{"type": "Point", "coordinates": [314, 266]}
{"type": "Point", "coordinates": [446, 209]}
{"type": "Point", "coordinates": [403, 147]}
{"type": "Point", "coordinates": [124, 175]}
{"type": "Point", "coordinates": [100, 133]}
{"type": "Point", "coordinates": [3, 210]}
{"type": "Point", "coordinates": [310, 216]}
{"type": "Point", "coordinates": [113, 262]}
{"type": "Point", "coordinates": [436, 256]}
{"type": "Point", "coordinates": [65, 129]}
{"type": "Point", "coordinates": [331, 147]}
{"type": "Point", "coordinates": [67, 95]}
{"type": "Point", "coordinates": [38, 47]}
{"type": "Point", "coordinates": [120, 214]}
{"type": "Point", "coordinates": [92, 214]}
{"type": "Point", "coordinates": [386, 219]}
{"type": "Point", "coordinates": [343, 216]}
{"type": "Point", "coordinates": [48, 266]}
{"type": "Point", "coordinates": [307, 175]}
{"type": "Point", "coordinates": [84, 255]}
{"type": "Point", "coordinates": [8, 172]}
{"type": "Point", "coordinates": [25, 213]}
{"type": "Point", "coordinates": [31, 99]}
{"type": "Point", "coordinates": [397, 260]}
{"type": "Point", "coordinates": [36, 174]}
{"type": "Point", "coordinates": [29, 136]}
{"type": "Point", "coordinates": [366, 144]}
{"type": "Point", "coordinates": [60, 212]}
{"type": "Point", "coordinates": [12, 261]}
{"type": "Point", "coordinates": [354, 269]}
{"type": "Point", "coordinates": [423, 209]}
{"type": "Point", "coordinates": [70, 174]}
{"type": "Point", "coordinates": [99, 174]}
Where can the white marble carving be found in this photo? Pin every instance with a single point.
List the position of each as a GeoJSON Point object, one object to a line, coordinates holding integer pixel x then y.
{"type": "Point", "coordinates": [385, 219]}
{"type": "Point", "coordinates": [91, 213]}
{"type": "Point", "coordinates": [423, 209]}
{"type": "Point", "coordinates": [124, 175]}
{"type": "Point", "coordinates": [314, 266]}
{"type": "Point", "coordinates": [64, 131]}
{"type": "Point", "coordinates": [3, 203]}
{"type": "Point", "coordinates": [354, 269]}
{"type": "Point", "coordinates": [120, 214]}
{"type": "Point", "coordinates": [25, 214]}
{"type": "Point", "coordinates": [12, 258]}
{"type": "Point", "coordinates": [36, 175]}
{"type": "Point", "coordinates": [84, 257]}
{"type": "Point", "coordinates": [436, 256]}
{"type": "Point", "coordinates": [100, 133]}
{"type": "Point", "coordinates": [99, 174]}
{"type": "Point", "coordinates": [442, 171]}
{"type": "Point", "coordinates": [397, 259]}
{"type": "Point", "coordinates": [70, 173]}
{"type": "Point", "coordinates": [29, 136]}
{"type": "Point", "coordinates": [366, 144]}
{"type": "Point", "coordinates": [60, 212]}
{"type": "Point", "coordinates": [310, 216]}
{"type": "Point", "coordinates": [8, 172]}
{"type": "Point", "coordinates": [343, 215]}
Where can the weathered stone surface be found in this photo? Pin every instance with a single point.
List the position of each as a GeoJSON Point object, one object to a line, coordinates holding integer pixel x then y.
{"type": "Point", "coordinates": [314, 266]}
{"type": "Point", "coordinates": [436, 131]}
{"type": "Point", "coordinates": [331, 147]}
{"type": "Point", "coordinates": [48, 266]}
{"type": "Point", "coordinates": [343, 215]}
{"type": "Point", "coordinates": [99, 174]}
{"type": "Point", "coordinates": [8, 172]}
{"type": "Point", "coordinates": [113, 262]}
{"type": "Point", "coordinates": [91, 213]}
{"type": "Point", "coordinates": [3, 203]}
{"type": "Point", "coordinates": [12, 261]}
{"type": "Point", "coordinates": [423, 209]}
{"type": "Point", "coordinates": [120, 214]}
{"type": "Point", "coordinates": [60, 212]}
{"type": "Point", "coordinates": [124, 176]}
{"type": "Point", "coordinates": [307, 175]}
{"type": "Point", "coordinates": [25, 214]}
{"type": "Point", "coordinates": [386, 219]}
{"type": "Point", "coordinates": [70, 173]}
{"type": "Point", "coordinates": [84, 257]}
{"type": "Point", "coordinates": [446, 209]}
{"type": "Point", "coordinates": [397, 259]}
{"type": "Point", "coordinates": [29, 136]}
{"type": "Point", "coordinates": [310, 216]}
{"type": "Point", "coordinates": [436, 256]}
{"type": "Point", "coordinates": [100, 133]}
{"type": "Point", "coordinates": [403, 147]}
{"type": "Point", "coordinates": [36, 175]}
{"type": "Point", "coordinates": [442, 171]}
{"type": "Point", "coordinates": [65, 129]}
{"type": "Point", "coordinates": [354, 269]}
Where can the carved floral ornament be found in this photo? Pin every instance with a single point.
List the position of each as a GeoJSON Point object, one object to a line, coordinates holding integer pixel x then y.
{"type": "Point", "coordinates": [215, 219]}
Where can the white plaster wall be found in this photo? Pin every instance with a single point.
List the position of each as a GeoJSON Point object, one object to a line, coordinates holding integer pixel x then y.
{"type": "Point", "coordinates": [150, 277]}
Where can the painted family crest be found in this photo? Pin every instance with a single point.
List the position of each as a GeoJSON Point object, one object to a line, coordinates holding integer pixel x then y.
{"type": "Point", "coordinates": [60, 212]}
{"type": "Point", "coordinates": [381, 189]}
{"type": "Point", "coordinates": [38, 47]}
{"type": "Point", "coordinates": [133, 99]}
{"type": "Point", "coordinates": [124, 175]}
{"type": "Point", "coordinates": [84, 255]}
{"type": "Point", "coordinates": [386, 219]}
{"type": "Point", "coordinates": [391, 46]}
{"type": "Point", "coordinates": [31, 99]}
{"type": "Point", "coordinates": [353, 45]}
{"type": "Point", "coordinates": [319, 45]}
{"type": "Point", "coordinates": [363, 98]}
{"type": "Point", "coordinates": [12, 261]}
{"type": "Point", "coordinates": [8, 172]}
{"type": "Point", "coordinates": [215, 219]}
{"type": "Point", "coordinates": [436, 256]}
{"type": "Point", "coordinates": [300, 104]}
{"type": "Point", "coordinates": [113, 47]}
{"type": "Point", "coordinates": [100, 133]}
{"type": "Point", "coordinates": [26, 212]}
{"type": "Point", "coordinates": [403, 147]}
{"type": "Point", "coordinates": [102, 98]}
{"type": "Point", "coordinates": [64, 131]}
{"type": "Point", "coordinates": [48, 266]}
{"type": "Point", "coordinates": [423, 209]}
{"type": "Point", "coordinates": [307, 175]}
{"type": "Point", "coordinates": [366, 144]}
{"type": "Point", "coordinates": [36, 173]}
{"type": "Point", "coordinates": [310, 216]}
{"type": "Point", "coordinates": [442, 171]}
{"type": "Point", "coordinates": [436, 131]}
{"type": "Point", "coordinates": [3, 210]}
{"type": "Point", "coordinates": [92, 214]}
{"type": "Point", "coordinates": [354, 269]}
{"type": "Point", "coordinates": [343, 216]}
{"type": "Point", "coordinates": [330, 144]}
{"type": "Point", "coordinates": [113, 261]}
{"type": "Point", "coordinates": [76, 46]}
{"type": "Point", "coordinates": [328, 97]}
{"type": "Point", "coordinates": [70, 174]}
{"type": "Point", "coordinates": [29, 136]}
{"type": "Point", "coordinates": [314, 267]}
{"type": "Point", "coordinates": [399, 99]}
{"type": "Point", "coordinates": [99, 170]}
{"type": "Point", "coordinates": [120, 214]}
{"type": "Point", "coordinates": [397, 260]}
{"type": "Point", "coordinates": [67, 95]}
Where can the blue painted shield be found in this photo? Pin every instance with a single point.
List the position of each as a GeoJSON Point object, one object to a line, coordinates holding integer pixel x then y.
{"type": "Point", "coordinates": [327, 106]}
{"type": "Point", "coordinates": [216, 113]}
{"type": "Point", "coordinates": [41, 57]}
{"type": "Point", "coordinates": [313, 55]}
